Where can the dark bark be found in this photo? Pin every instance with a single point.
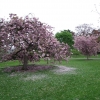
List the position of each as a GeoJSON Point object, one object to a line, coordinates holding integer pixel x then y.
{"type": "Point", "coordinates": [25, 63]}
{"type": "Point", "coordinates": [87, 57]}
{"type": "Point", "coordinates": [47, 61]}
{"type": "Point", "coordinates": [15, 54]}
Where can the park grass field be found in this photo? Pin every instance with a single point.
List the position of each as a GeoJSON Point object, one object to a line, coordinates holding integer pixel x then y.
{"type": "Point", "coordinates": [81, 84]}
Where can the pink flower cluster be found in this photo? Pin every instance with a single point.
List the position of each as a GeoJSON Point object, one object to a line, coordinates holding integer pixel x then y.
{"type": "Point", "coordinates": [87, 45]}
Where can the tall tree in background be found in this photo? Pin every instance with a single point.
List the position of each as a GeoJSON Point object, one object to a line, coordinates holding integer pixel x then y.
{"type": "Point", "coordinates": [84, 29]}
{"type": "Point", "coordinates": [65, 37]}
{"type": "Point", "coordinates": [30, 40]}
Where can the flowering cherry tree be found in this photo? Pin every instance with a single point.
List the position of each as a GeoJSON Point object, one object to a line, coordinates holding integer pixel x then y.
{"type": "Point", "coordinates": [3, 37]}
{"type": "Point", "coordinates": [56, 50]}
{"type": "Point", "coordinates": [28, 39]}
{"type": "Point", "coordinates": [86, 45]}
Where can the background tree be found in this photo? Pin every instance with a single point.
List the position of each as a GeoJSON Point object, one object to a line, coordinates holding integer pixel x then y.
{"type": "Point", "coordinates": [96, 34]}
{"type": "Point", "coordinates": [86, 45]}
{"type": "Point", "coordinates": [28, 39]}
{"type": "Point", "coordinates": [84, 29]}
{"type": "Point", "coordinates": [65, 37]}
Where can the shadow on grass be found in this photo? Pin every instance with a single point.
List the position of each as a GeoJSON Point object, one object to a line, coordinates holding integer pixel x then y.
{"type": "Point", "coordinates": [85, 59]}
{"type": "Point", "coordinates": [30, 68]}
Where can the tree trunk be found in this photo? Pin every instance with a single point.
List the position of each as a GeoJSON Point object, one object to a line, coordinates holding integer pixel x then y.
{"type": "Point", "coordinates": [47, 61]}
{"type": "Point", "coordinates": [59, 62]}
{"type": "Point", "coordinates": [25, 62]}
{"type": "Point", "coordinates": [87, 57]}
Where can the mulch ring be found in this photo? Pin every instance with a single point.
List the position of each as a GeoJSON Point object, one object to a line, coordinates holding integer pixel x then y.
{"type": "Point", "coordinates": [30, 68]}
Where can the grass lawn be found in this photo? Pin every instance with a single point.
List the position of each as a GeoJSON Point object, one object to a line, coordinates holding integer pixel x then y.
{"type": "Point", "coordinates": [82, 84]}
{"type": "Point", "coordinates": [82, 56]}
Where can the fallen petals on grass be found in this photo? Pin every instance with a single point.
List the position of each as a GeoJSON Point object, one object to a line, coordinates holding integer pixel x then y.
{"type": "Point", "coordinates": [35, 77]}
{"type": "Point", "coordinates": [63, 69]}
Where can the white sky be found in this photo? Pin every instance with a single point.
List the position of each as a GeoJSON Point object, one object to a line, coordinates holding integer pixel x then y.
{"type": "Point", "coordinates": [60, 14]}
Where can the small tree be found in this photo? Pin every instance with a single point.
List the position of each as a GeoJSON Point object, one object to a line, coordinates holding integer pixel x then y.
{"type": "Point", "coordinates": [28, 39]}
{"type": "Point", "coordinates": [86, 45]}
{"type": "Point", "coordinates": [65, 37]}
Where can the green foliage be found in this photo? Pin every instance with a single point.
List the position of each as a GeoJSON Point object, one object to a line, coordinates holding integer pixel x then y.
{"type": "Point", "coordinates": [65, 37]}
{"type": "Point", "coordinates": [75, 52]}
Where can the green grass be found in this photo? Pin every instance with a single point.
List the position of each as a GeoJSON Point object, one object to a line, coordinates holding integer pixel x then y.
{"type": "Point", "coordinates": [82, 56]}
{"type": "Point", "coordinates": [84, 84]}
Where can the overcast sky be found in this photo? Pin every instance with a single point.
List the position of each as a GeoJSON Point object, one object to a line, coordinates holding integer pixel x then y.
{"type": "Point", "coordinates": [60, 14]}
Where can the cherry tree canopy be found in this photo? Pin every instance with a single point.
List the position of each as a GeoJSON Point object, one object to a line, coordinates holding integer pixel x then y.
{"type": "Point", "coordinates": [86, 45]}
{"type": "Point", "coordinates": [29, 39]}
